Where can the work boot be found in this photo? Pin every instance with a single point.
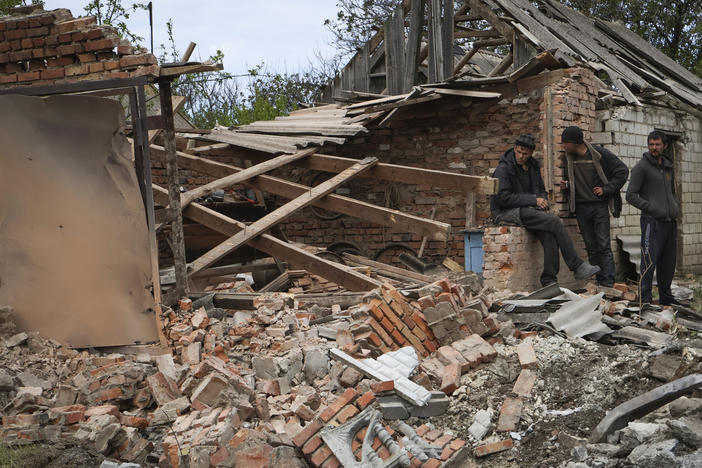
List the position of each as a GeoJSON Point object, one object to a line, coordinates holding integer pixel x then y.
{"type": "Point", "coordinates": [585, 270]}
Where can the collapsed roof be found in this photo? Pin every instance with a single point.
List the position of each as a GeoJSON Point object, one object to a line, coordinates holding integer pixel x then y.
{"type": "Point", "coordinates": [398, 57]}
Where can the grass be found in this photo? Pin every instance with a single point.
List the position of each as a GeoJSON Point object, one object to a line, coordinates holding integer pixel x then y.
{"type": "Point", "coordinates": [16, 456]}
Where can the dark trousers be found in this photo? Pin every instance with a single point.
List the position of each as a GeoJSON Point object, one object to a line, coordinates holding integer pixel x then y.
{"type": "Point", "coordinates": [550, 231]}
{"type": "Point", "coordinates": [593, 221]}
{"type": "Point", "coordinates": [658, 252]}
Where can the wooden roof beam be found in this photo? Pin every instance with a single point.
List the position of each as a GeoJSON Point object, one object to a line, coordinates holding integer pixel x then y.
{"type": "Point", "coordinates": [393, 219]}
{"type": "Point", "coordinates": [280, 249]}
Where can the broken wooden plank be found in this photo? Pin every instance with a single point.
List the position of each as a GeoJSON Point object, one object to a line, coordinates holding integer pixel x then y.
{"type": "Point", "coordinates": [393, 172]}
{"type": "Point", "coordinates": [406, 274]}
{"type": "Point", "coordinates": [393, 219]}
{"type": "Point", "coordinates": [277, 284]}
{"type": "Point", "coordinates": [282, 213]}
{"type": "Point", "coordinates": [414, 40]}
{"type": "Point", "coordinates": [275, 247]}
{"type": "Point", "coordinates": [239, 177]}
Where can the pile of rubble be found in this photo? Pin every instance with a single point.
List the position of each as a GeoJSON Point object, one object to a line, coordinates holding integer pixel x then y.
{"type": "Point", "coordinates": [443, 374]}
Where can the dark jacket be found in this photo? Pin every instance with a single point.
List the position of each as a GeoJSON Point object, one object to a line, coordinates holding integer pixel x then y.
{"type": "Point", "coordinates": [651, 188]}
{"type": "Point", "coordinates": [612, 173]}
{"type": "Point", "coordinates": [511, 195]}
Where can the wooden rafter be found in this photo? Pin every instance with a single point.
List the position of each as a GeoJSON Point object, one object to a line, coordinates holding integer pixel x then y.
{"type": "Point", "coordinates": [282, 250]}
{"type": "Point", "coordinates": [393, 219]}
{"type": "Point", "coordinates": [259, 227]}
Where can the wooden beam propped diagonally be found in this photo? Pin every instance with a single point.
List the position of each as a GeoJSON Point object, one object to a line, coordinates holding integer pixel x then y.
{"type": "Point", "coordinates": [282, 213]}
{"type": "Point", "coordinates": [393, 219]}
{"type": "Point", "coordinates": [280, 249]}
{"type": "Point", "coordinates": [246, 174]}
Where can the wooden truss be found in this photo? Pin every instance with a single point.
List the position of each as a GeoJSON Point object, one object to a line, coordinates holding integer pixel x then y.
{"type": "Point", "coordinates": [300, 196]}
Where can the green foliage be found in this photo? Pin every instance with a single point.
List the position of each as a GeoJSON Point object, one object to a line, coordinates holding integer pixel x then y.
{"type": "Point", "coordinates": [7, 5]}
{"type": "Point", "coordinates": [674, 27]}
{"type": "Point", "coordinates": [115, 14]}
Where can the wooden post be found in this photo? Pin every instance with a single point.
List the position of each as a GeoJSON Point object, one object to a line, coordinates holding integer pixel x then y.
{"type": "Point", "coordinates": [549, 156]}
{"type": "Point", "coordinates": [470, 210]}
{"type": "Point", "coordinates": [177, 237]}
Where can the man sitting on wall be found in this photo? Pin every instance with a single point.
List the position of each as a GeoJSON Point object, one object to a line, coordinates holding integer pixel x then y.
{"type": "Point", "coordinates": [521, 199]}
{"type": "Point", "coordinates": [594, 177]}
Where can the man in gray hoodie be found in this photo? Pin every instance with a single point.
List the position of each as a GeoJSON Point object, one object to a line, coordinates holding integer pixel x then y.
{"type": "Point", "coordinates": [651, 189]}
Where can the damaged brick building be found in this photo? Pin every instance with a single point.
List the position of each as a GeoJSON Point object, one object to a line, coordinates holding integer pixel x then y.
{"type": "Point", "coordinates": [560, 68]}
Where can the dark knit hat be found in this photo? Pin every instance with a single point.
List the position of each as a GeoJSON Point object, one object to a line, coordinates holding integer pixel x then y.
{"type": "Point", "coordinates": [526, 140]}
{"type": "Point", "coordinates": [572, 134]}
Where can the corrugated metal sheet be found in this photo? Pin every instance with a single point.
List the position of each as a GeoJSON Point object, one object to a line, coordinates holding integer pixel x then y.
{"type": "Point", "coordinates": [632, 246]}
{"type": "Point", "coordinates": [580, 318]}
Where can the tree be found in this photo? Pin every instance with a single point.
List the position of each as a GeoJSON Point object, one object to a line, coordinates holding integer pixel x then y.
{"type": "Point", "coordinates": [674, 27]}
{"type": "Point", "coordinates": [115, 14]}
{"type": "Point", "coordinates": [220, 98]}
{"type": "Point", "coordinates": [6, 6]}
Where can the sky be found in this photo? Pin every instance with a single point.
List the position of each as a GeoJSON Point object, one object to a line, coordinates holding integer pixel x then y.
{"type": "Point", "coordinates": [282, 33]}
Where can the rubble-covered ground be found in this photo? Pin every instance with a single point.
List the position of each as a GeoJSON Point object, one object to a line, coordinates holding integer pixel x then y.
{"type": "Point", "coordinates": [254, 388]}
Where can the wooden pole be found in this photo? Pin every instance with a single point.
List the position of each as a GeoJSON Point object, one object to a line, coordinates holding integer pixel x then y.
{"type": "Point", "coordinates": [177, 237]}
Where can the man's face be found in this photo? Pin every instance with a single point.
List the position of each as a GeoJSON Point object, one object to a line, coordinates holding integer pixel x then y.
{"type": "Point", "coordinates": [656, 147]}
{"type": "Point", "coordinates": [522, 154]}
{"type": "Point", "coordinates": [569, 146]}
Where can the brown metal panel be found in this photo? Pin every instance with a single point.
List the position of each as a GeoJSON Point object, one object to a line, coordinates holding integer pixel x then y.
{"type": "Point", "coordinates": [74, 247]}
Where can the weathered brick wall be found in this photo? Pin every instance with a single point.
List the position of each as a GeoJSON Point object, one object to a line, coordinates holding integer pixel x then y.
{"type": "Point", "coordinates": [624, 130]}
{"type": "Point", "coordinates": [51, 47]}
{"type": "Point", "coordinates": [514, 260]}
{"type": "Point", "coordinates": [443, 135]}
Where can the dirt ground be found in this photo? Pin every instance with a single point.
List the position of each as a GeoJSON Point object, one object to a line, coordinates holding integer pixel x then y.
{"type": "Point", "coordinates": [579, 377]}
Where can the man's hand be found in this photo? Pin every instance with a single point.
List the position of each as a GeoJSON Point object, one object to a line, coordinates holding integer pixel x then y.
{"type": "Point", "coordinates": [564, 184]}
{"type": "Point", "coordinates": [598, 191]}
{"type": "Point", "coordinates": [542, 203]}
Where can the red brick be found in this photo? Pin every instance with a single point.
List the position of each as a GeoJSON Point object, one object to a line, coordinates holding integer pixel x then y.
{"type": "Point", "coordinates": [421, 430]}
{"type": "Point", "coordinates": [67, 49]}
{"type": "Point", "coordinates": [527, 334]}
{"type": "Point", "coordinates": [524, 383]}
{"type": "Point", "coordinates": [349, 396]}
{"type": "Point", "coordinates": [36, 32]}
{"type": "Point", "coordinates": [527, 356]}
{"type": "Point", "coordinates": [311, 445]}
{"type": "Point", "coordinates": [26, 43]}
{"type": "Point", "coordinates": [432, 463]}
{"type": "Point", "coordinates": [380, 331]}
{"type": "Point", "coordinates": [95, 67]}
{"type": "Point", "coordinates": [449, 355]}
{"type": "Point", "coordinates": [321, 455]}
{"type": "Point", "coordinates": [492, 324]}
{"type": "Point", "coordinates": [429, 344]}
{"type": "Point", "coordinates": [348, 412]}
{"type": "Point", "coordinates": [110, 394]}
{"type": "Point", "coordinates": [52, 74]}
{"type": "Point", "coordinates": [620, 287]}
{"type": "Point", "coordinates": [101, 44]}
{"type": "Point", "coordinates": [60, 61]}
{"type": "Point", "coordinates": [365, 400]}
{"type": "Point", "coordinates": [394, 319]}
{"type": "Point", "coordinates": [134, 60]}
{"type": "Point", "coordinates": [446, 453]}
{"type": "Point", "coordinates": [450, 379]}
{"type": "Point", "coordinates": [94, 34]}
{"type": "Point", "coordinates": [374, 308]}
{"type": "Point", "coordinates": [308, 431]}
{"type": "Point", "coordinates": [509, 414]}
{"type": "Point", "coordinates": [125, 50]}
{"type": "Point", "coordinates": [426, 302]}
{"type": "Point", "coordinates": [414, 341]}
{"type": "Point", "coordinates": [398, 338]}
{"type": "Point", "coordinates": [489, 449]}
{"type": "Point", "coordinates": [75, 24]}
{"type": "Point", "coordinates": [387, 325]}
{"type": "Point", "coordinates": [444, 284]}
{"type": "Point", "coordinates": [457, 444]}
{"type": "Point", "coordinates": [15, 34]}
{"type": "Point", "coordinates": [333, 462]}
{"type": "Point", "coordinates": [381, 387]}
{"type": "Point", "coordinates": [8, 79]}
{"type": "Point", "coordinates": [102, 409]}
{"type": "Point", "coordinates": [443, 440]}
{"type": "Point", "coordinates": [133, 421]}
{"type": "Point", "coordinates": [219, 457]}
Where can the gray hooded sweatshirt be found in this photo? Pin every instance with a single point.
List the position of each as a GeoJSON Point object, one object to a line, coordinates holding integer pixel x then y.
{"type": "Point", "coordinates": [651, 188]}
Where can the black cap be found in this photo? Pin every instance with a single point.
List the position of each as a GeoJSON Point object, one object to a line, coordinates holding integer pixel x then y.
{"type": "Point", "coordinates": [526, 140]}
{"type": "Point", "coordinates": [572, 134]}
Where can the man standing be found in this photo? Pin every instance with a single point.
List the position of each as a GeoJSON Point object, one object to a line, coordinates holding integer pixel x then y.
{"type": "Point", "coordinates": [651, 189]}
{"type": "Point", "coordinates": [594, 177]}
{"type": "Point", "coordinates": [522, 199]}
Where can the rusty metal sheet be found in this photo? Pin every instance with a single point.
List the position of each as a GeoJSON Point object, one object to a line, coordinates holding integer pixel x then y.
{"type": "Point", "coordinates": [74, 249]}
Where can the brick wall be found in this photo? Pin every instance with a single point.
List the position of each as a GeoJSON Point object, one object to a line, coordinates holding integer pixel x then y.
{"type": "Point", "coordinates": [624, 130]}
{"type": "Point", "coordinates": [52, 47]}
